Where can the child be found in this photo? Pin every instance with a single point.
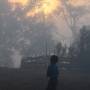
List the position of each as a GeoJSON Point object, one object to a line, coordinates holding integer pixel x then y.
{"type": "Point", "coordinates": [52, 73]}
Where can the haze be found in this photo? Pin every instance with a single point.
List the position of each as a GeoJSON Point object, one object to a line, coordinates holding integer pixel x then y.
{"type": "Point", "coordinates": [27, 25]}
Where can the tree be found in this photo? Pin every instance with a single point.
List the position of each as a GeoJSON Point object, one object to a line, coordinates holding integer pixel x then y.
{"type": "Point", "coordinates": [73, 50]}
{"type": "Point", "coordinates": [60, 50]}
{"type": "Point", "coordinates": [72, 15]}
{"type": "Point", "coordinates": [84, 45]}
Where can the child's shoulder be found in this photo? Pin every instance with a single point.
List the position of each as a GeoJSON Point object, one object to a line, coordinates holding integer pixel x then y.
{"type": "Point", "coordinates": [52, 65]}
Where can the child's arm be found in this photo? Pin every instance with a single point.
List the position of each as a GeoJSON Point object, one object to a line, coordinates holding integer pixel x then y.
{"type": "Point", "coordinates": [57, 71]}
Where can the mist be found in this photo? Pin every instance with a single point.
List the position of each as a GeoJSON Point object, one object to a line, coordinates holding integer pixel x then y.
{"type": "Point", "coordinates": [29, 36]}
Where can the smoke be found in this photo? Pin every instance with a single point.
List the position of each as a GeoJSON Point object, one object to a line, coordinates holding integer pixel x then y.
{"type": "Point", "coordinates": [16, 58]}
{"type": "Point", "coordinates": [29, 36]}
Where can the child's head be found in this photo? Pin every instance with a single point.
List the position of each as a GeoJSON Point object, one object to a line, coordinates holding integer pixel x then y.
{"type": "Point", "coordinates": [54, 59]}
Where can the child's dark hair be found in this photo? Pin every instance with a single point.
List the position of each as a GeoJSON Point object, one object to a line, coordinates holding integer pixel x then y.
{"type": "Point", "coordinates": [54, 59]}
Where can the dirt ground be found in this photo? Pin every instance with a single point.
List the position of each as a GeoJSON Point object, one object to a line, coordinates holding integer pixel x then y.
{"type": "Point", "coordinates": [35, 78]}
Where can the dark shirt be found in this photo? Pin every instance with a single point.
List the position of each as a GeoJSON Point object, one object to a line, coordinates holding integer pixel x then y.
{"type": "Point", "coordinates": [53, 71]}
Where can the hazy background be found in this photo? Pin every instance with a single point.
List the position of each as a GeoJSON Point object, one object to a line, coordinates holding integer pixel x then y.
{"type": "Point", "coordinates": [22, 35]}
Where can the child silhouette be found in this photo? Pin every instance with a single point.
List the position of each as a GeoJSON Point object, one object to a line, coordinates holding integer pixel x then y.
{"type": "Point", "coordinates": [52, 73]}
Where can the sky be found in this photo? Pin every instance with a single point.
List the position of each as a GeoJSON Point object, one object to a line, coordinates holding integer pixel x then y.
{"type": "Point", "coordinates": [28, 25]}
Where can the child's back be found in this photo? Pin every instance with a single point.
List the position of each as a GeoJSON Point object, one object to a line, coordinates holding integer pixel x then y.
{"type": "Point", "coordinates": [52, 73]}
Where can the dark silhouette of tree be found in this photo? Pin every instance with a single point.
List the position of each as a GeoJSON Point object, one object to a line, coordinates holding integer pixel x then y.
{"type": "Point", "coordinates": [58, 49]}
{"type": "Point", "coordinates": [61, 50]}
{"type": "Point", "coordinates": [71, 51]}
{"type": "Point", "coordinates": [74, 50]}
{"type": "Point", "coordinates": [64, 49]}
{"type": "Point", "coordinates": [84, 45]}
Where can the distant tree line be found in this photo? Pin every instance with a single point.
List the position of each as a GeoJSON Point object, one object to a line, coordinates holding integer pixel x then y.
{"type": "Point", "coordinates": [79, 50]}
{"type": "Point", "coordinates": [84, 46]}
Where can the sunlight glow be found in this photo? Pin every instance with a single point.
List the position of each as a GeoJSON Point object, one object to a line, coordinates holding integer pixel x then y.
{"type": "Point", "coordinates": [45, 7]}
